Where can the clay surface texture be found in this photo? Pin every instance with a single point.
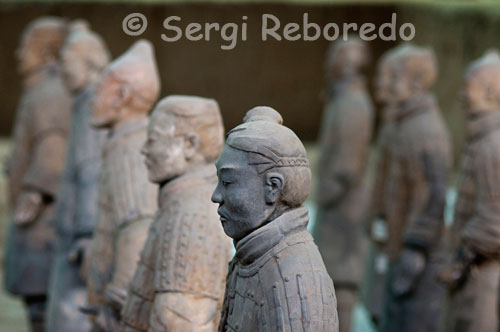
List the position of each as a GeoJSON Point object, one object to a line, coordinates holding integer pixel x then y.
{"type": "Point", "coordinates": [127, 201]}
{"type": "Point", "coordinates": [342, 192]}
{"type": "Point", "coordinates": [36, 164]}
{"type": "Point", "coordinates": [473, 273]}
{"type": "Point", "coordinates": [179, 284]}
{"type": "Point", "coordinates": [83, 56]}
{"type": "Point", "coordinates": [418, 164]}
{"type": "Point", "coordinates": [277, 280]}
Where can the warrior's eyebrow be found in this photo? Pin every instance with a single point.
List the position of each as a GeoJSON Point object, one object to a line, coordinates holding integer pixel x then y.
{"type": "Point", "coordinates": [227, 168]}
{"type": "Point", "coordinates": [224, 166]}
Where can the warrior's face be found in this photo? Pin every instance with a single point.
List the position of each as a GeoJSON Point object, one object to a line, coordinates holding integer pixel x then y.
{"type": "Point", "coordinates": [247, 199]}
{"type": "Point", "coordinates": [74, 67]}
{"type": "Point", "coordinates": [110, 96]}
{"type": "Point", "coordinates": [166, 152]}
{"type": "Point", "coordinates": [28, 56]}
{"type": "Point", "coordinates": [345, 60]}
{"type": "Point", "coordinates": [480, 93]}
{"type": "Point", "coordinates": [472, 95]}
{"type": "Point", "coordinates": [382, 83]}
{"type": "Point", "coordinates": [404, 84]}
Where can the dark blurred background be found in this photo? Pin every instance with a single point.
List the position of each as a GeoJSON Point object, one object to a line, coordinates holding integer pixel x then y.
{"type": "Point", "coordinates": [282, 74]}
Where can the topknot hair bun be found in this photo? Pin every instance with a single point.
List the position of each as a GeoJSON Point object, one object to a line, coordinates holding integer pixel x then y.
{"type": "Point", "coordinates": [263, 113]}
{"type": "Point", "coordinates": [492, 56]}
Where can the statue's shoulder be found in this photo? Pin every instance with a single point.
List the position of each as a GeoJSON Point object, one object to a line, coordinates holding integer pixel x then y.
{"type": "Point", "coordinates": [296, 281]}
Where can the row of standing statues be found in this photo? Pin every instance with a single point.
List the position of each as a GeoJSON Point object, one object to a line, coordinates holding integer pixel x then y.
{"type": "Point", "coordinates": [121, 221]}
{"type": "Point", "coordinates": [383, 238]}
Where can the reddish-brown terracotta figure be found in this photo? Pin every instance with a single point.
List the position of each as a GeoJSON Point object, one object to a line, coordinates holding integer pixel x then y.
{"type": "Point", "coordinates": [179, 284]}
{"type": "Point", "coordinates": [127, 201]}
{"type": "Point", "coordinates": [35, 165]}
{"type": "Point", "coordinates": [83, 55]}
{"type": "Point", "coordinates": [377, 262]}
{"type": "Point", "coordinates": [419, 161]}
{"type": "Point", "coordinates": [342, 189]}
{"type": "Point", "coordinates": [277, 280]}
{"type": "Point", "coordinates": [473, 276]}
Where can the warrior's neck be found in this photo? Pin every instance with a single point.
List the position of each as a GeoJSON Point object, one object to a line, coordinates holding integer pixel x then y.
{"type": "Point", "coordinates": [344, 83]}
{"type": "Point", "coordinates": [127, 121]}
{"type": "Point", "coordinates": [36, 75]}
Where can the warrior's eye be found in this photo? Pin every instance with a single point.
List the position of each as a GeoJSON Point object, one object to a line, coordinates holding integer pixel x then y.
{"type": "Point", "coordinates": [225, 183]}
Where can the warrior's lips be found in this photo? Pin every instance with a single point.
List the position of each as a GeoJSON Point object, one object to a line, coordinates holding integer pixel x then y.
{"type": "Point", "coordinates": [223, 218]}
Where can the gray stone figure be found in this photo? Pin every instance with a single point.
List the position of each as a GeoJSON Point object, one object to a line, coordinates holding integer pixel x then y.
{"type": "Point", "coordinates": [473, 274]}
{"type": "Point", "coordinates": [36, 164]}
{"type": "Point", "coordinates": [127, 201]}
{"type": "Point", "coordinates": [179, 283]}
{"type": "Point", "coordinates": [419, 161]}
{"type": "Point", "coordinates": [84, 55]}
{"type": "Point", "coordinates": [343, 192]}
{"type": "Point", "coordinates": [277, 280]}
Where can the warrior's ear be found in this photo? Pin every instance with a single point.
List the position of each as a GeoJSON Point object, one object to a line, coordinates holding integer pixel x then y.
{"type": "Point", "coordinates": [191, 145]}
{"type": "Point", "coordinates": [123, 96]}
{"type": "Point", "coordinates": [274, 186]}
{"type": "Point", "coordinates": [491, 95]}
{"type": "Point", "coordinates": [418, 82]}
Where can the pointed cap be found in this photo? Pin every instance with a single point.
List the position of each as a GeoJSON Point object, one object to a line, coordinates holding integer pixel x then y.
{"type": "Point", "coordinates": [137, 67]}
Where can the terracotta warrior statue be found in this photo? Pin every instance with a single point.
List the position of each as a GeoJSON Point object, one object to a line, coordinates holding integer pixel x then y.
{"type": "Point", "coordinates": [36, 164]}
{"type": "Point", "coordinates": [277, 280]}
{"type": "Point", "coordinates": [377, 260]}
{"type": "Point", "coordinates": [342, 190]}
{"type": "Point", "coordinates": [473, 275]}
{"type": "Point", "coordinates": [84, 55]}
{"type": "Point", "coordinates": [179, 284]}
{"type": "Point", "coordinates": [127, 201]}
{"type": "Point", "coordinates": [419, 161]}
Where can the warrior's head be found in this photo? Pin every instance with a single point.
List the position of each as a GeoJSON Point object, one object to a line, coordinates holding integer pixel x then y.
{"type": "Point", "coordinates": [383, 76]}
{"type": "Point", "coordinates": [346, 58]}
{"type": "Point", "coordinates": [84, 55]}
{"type": "Point", "coordinates": [263, 171]}
{"type": "Point", "coordinates": [482, 84]}
{"type": "Point", "coordinates": [41, 43]}
{"type": "Point", "coordinates": [184, 132]}
{"type": "Point", "coordinates": [129, 86]}
{"type": "Point", "coordinates": [413, 72]}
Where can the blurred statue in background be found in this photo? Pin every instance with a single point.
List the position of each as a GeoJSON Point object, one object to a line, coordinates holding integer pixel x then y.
{"type": "Point", "coordinates": [473, 275]}
{"type": "Point", "coordinates": [277, 280]}
{"type": "Point", "coordinates": [343, 194]}
{"type": "Point", "coordinates": [83, 56]}
{"type": "Point", "coordinates": [127, 201]}
{"type": "Point", "coordinates": [420, 157]}
{"type": "Point", "coordinates": [377, 262]}
{"type": "Point", "coordinates": [36, 164]}
{"type": "Point", "coordinates": [179, 283]}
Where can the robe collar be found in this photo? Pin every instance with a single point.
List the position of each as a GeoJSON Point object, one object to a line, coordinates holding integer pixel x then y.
{"type": "Point", "coordinates": [40, 74]}
{"type": "Point", "coordinates": [482, 125]}
{"type": "Point", "coordinates": [263, 239]}
{"type": "Point", "coordinates": [340, 87]}
{"type": "Point", "coordinates": [420, 104]}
